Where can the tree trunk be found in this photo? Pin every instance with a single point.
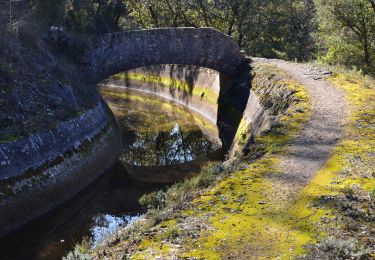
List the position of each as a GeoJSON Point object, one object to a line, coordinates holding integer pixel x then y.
{"type": "Point", "coordinates": [240, 40]}
{"type": "Point", "coordinates": [365, 41]}
{"type": "Point", "coordinates": [366, 52]}
{"type": "Point", "coordinates": [231, 24]}
{"type": "Point", "coordinates": [154, 16]}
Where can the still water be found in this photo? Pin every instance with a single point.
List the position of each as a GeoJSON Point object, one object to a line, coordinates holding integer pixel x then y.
{"type": "Point", "coordinates": [156, 134]}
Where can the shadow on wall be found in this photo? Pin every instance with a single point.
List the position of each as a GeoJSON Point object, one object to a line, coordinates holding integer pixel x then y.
{"type": "Point", "coordinates": [227, 97]}
{"type": "Point", "coordinates": [185, 73]}
{"type": "Point", "coordinates": [232, 101]}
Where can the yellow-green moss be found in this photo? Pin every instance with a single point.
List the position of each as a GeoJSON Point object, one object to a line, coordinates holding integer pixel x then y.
{"type": "Point", "coordinates": [203, 92]}
{"type": "Point", "coordinates": [245, 219]}
{"type": "Point", "coordinates": [248, 219]}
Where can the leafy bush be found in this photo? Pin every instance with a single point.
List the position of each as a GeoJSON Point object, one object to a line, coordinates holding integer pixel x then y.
{"type": "Point", "coordinates": [172, 233]}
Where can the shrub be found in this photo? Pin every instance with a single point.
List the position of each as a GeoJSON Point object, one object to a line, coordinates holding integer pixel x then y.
{"type": "Point", "coordinates": [179, 193]}
{"type": "Point", "coordinates": [154, 200]}
{"type": "Point", "coordinates": [81, 252]}
{"type": "Point", "coordinates": [172, 233]}
{"type": "Point", "coordinates": [340, 248]}
{"type": "Point", "coordinates": [182, 192]}
{"type": "Point", "coordinates": [156, 216]}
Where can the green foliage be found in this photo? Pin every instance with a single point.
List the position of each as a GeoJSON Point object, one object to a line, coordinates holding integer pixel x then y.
{"type": "Point", "coordinates": [80, 253]}
{"type": "Point", "coordinates": [172, 233]}
{"type": "Point", "coordinates": [48, 12]}
{"type": "Point", "coordinates": [94, 16]}
{"type": "Point", "coordinates": [153, 200]}
{"type": "Point", "coordinates": [181, 192]}
{"type": "Point", "coordinates": [347, 32]}
{"type": "Point", "coordinates": [83, 16]}
{"type": "Point", "coordinates": [184, 191]}
{"type": "Point", "coordinates": [262, 28]}
{"type": "Point", "coordinates": [334, 31]}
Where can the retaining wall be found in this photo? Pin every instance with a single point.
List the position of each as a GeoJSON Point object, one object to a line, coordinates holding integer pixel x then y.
{"type": "Point", "coordinates": [46, 169]}
{"type": "Point", "coordinates": [32, 152]}
{"type": "Point", "coordinates": [200, 93]}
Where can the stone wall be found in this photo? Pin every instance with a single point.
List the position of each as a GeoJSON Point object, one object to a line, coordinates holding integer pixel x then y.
{"type": "Point", "coordinates": [34, 151]}
{"type": "Point", "coordinates": [255, 116]}
{"type": "Point", "coordinates": [253, 119]}
{"type": "Point", "coordinates": [38, 193]}
{"type": "Point", "coordinates": [269, 99]}
{"type": "Point", "coordinates": [46, 169]}
{"type": "Point", "coordinates": [204, 47]}
{"type": "Point", "coordinates": [200, 92]}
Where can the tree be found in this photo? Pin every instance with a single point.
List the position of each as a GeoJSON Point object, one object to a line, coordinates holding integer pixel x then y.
{"type": "Point", "coordinates": [48, 12]}
{"type": "Point", "coordinates": [348, 27]}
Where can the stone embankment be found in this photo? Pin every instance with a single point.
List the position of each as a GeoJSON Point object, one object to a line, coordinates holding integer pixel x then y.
{"type": "Point", "coordinates": [47, 168]}
{"type": "Point", "coordinates": [34, 151]}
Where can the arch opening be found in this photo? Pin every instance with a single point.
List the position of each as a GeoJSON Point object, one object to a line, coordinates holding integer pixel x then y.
{"type": "Point", "coordinates": [113, 53]}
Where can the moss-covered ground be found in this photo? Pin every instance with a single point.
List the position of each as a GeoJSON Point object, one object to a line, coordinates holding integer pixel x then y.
{"type": "Point", "coordinates": [243, 216]}
{"type": "Point", "coordinates": [240, 215]}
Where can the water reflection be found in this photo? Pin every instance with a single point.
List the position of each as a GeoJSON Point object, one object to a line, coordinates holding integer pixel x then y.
{"type": "Point", "coordinates": [107, 205]}
{"type": "Point", "coordinates": [155, 133]}
{"type": "Point", "coordinates": [106, 224]}
{"type": "Point", "coordinates": [152, 139]}
{"type": "Point", "coordinates": [166, 148]}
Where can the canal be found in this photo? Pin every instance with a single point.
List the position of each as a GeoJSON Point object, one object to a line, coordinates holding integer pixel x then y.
{"type": "Point", "coordinates": [163, 143]}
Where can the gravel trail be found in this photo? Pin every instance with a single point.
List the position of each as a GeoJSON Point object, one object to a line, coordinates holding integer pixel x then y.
{"type": "Point", "coordinates": [308, 152]}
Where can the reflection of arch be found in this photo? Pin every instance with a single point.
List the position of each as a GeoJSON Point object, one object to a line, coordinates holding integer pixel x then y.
{"type": "Point", "coordinates": [204, 47]}
{"type": "Point", "coordinates": [168, 174]}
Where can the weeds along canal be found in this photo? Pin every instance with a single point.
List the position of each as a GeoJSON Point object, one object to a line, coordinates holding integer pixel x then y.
{"type": "Point", "coordinates": [163, 143]}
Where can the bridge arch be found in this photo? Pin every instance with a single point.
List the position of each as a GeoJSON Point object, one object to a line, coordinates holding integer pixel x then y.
{"type": "Point", "coordinates": [204, 47]}
{"type": "Point", "coordinates": [112, 53]}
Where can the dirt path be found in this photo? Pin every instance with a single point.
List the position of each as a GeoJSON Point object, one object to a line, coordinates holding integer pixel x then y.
{"type": "Point", "coordinates": [309, 151]}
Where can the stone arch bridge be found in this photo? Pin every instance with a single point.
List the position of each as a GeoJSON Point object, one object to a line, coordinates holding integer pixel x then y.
{"type": "Point", "coordinates": [112, 53]}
